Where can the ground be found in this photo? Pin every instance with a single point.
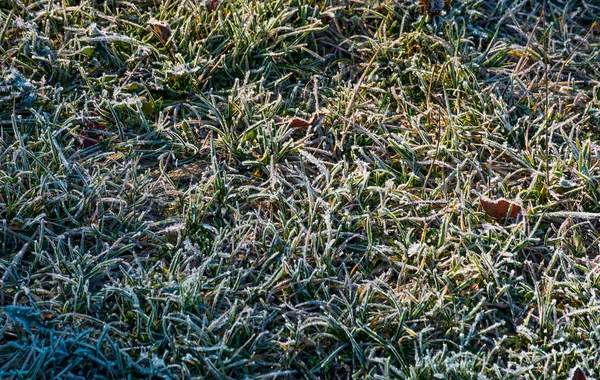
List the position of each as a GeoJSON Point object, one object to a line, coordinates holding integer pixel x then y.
{"type": "Point", "coordinates": [293, 188]}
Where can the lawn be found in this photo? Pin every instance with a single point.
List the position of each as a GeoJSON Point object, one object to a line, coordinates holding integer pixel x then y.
{"type": "Point", "coordinates": [299, 189]}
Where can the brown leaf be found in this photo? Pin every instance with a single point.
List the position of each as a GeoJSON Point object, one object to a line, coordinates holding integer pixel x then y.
{"type": "Point", "coordinates": [578, 374]}
{"type": "Point", "coordinates": [163, 30]}
{"type": "Point", "coordinates": [90, 131]}
{"type": "Point", "coordinates": [301, 123]}
{"type": "Point", "coordinates": [500, 208]}
{"type": "Point", "coordinates": [212, 5]}
{"type": "Point", "coordinates": [434, 7]}
{"type": "Point", "coordinates": [45, 315]}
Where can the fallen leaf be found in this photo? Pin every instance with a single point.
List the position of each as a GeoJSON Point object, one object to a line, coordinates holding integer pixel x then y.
{"type": "Point", "coordinates": [163, 30]}
{"type": "Point", "coordinates": [90, 131]}
{"type": "Point", "coordinates": [500, 208]}
{"type": "Point", "coordinates": [299, 123]}
{"type": "Point", "coordinates": [16, 228]}
{"type": "Point", "coordinates": [578, 374]}
{"type": "Point", "coordinates": [45, 315]}
{"type": "Point", "coordinates": [212, 5]}
{"type": "Point", "coordinates": [302, 123]}
{"type": "Point", "coordinates": [519, 321]}
{"type": "Point", "coordinates": [434, 7]}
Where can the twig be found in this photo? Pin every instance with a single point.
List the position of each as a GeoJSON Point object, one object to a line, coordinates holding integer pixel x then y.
{"type": "Point", "coordinates": [570, 214]}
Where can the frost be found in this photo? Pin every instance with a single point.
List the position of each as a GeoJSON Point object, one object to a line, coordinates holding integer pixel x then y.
{"type": "Point", "coordinates": [15, 86]}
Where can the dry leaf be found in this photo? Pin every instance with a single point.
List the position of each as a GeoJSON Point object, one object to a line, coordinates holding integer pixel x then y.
{"type": "Point", "coordinates": [500, 208]}
{"type": "Point", "coordinates": [163, 30]}
{"type": "Point", "coordinates": [301, 123]}
{"type": "Point", "coordinates": [92, 137]}
{"type": "Point", "coordinates": [434, 7]}
{"type": "Point", "coordinates": [45, 315]}
{"type": "Point", "coordinates": [578, 374]}
{"type": "Point", "coordinates": [212, 5]}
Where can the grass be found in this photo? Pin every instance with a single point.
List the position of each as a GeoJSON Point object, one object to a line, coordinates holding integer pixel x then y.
{"type": "Point", "coordinates": [165, 213]}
